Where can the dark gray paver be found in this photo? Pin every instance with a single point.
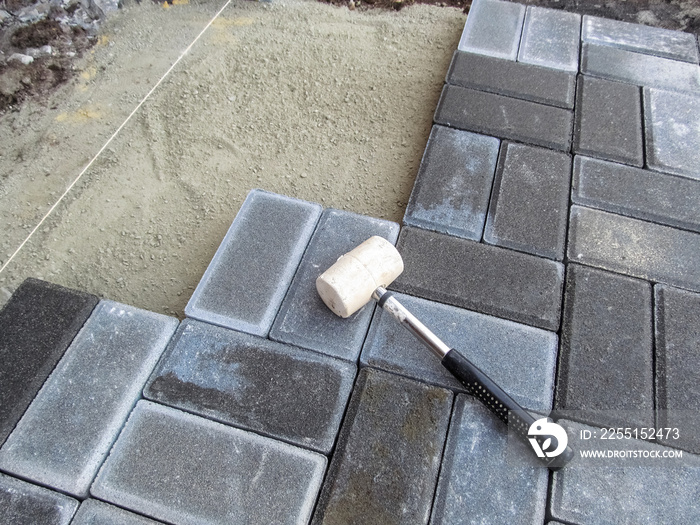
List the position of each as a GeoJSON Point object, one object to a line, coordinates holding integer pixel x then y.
{"type": "Point", "coordinates": [551, 39]}
{"type": "Point", "coordinates": [493, 28]}
{"type": "Point", "coordinates": [505, 117]}
{"type": "Point", "coordinates": [477, 485]}
{"type": "Point", "coordinates": [304, 319]}
{"type": "Point", "coordinates": [96, 512]}
{"type": "Point", "coordinates": [530, 201]}
{"type": "Point", "coordinates": [385, 466]}
{"type": "Point", "coordinates": [38, 323]}
{"type": "Point", "coordinates": [452, 189]}
{"type": "Point", "coordinates": [605, 359]}
{"type": "Point", "coordinates": [25, 504]}
{"type": "Point", "coordinates": [274, 389]}
{"type": "Point", "coordinates": [67, 431]}
{"type": "Point", "coordinates": [609, 121]}
{"type": "Point", "coordinates": [489, 279]}
{"type": "Point", "coordinates": [635, 192]}
{"type": "Point", "coordinates": [677, 363]}
{"type": "Point", "coordinates": [246, 280]}
{"type": "Point", "coordinates": [672, 124]}
{"type": "Point", "coordinates": [676, 45]}
{"type": "Point", "coordinates": [183, 469]}
{"type": "Point", "coordinates": [633, 247]}
{"type": "Point", "coordinates": [514, 79]}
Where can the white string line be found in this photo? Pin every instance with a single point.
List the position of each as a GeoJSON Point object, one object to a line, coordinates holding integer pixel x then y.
{"type": "Point", "coordinates": [87, 167]}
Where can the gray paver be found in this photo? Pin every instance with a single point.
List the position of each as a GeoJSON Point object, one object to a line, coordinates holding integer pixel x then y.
{"type": "Point", "coordinates": [643, 194]}
{"type": "Point", "coordinates": [248, 277]}
{"type": "Point", "coordinates": [488, 279]}
{"type": "Point", "coordinates": [96, 512]}
{"type": "Point", "coordinates": [493, 28]}
{"type": "Point", "coordinates": [274, 389]}
{"type": "Point", "coordinates": [25, 504]}
{"type": "Point", "coordinates": [514, 79]}
{"type": "Point", "coordinates": [672, 123]}
{"type": "Point", "coordinates": [67, 431]}
{"type": "Point", "coordinates": [505, 117]}
{"type": "Point", "coordinates": [676, 45]}
{"type": "Point", "coordinates": [609, 121]}
{"type": "Point", "coordinates": [633, 247]}
{"type": "Point", "coordinates": [476, 483]}
{"type": "Point", "coordinates": [551, 39]}
{"type": "Point", "coordinates": [385, 466]}
{"type": "Point", "coordinates": [605, 359]}
{"type": "Point", "coordinates": [530, 201]}
{"type": "Point", "coordinates": [452, 189]}
{"type": "Point", "coordinates": [304, 319]}
{"type": "Point", "coordinates": [183, 469]}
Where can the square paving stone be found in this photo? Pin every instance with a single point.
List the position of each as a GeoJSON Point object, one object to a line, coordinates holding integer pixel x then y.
{"type": "Point", "coordinates": [386, 462]}
{"type": "Point", "coordinates": [551, 39]}
{"type": "Point", "coordinates": [25, 504]}
{"type": "Point", "coordinates": [183, 469]}
{"type": "Point", "coordinates": [274, 389]}
{"type": "Point", "coordinates": [248, 277]}
{"type": "Point", "coordinates": [452, 189]}
{"type": "Point", "coordinates": [96, 512]}
{"type": "Point", "coordinates": [530, 201]}
{"type": "Point", "coordinates": [38, 323]}
{"type": "Point", "coordinates": [304, 320]}
{"type": "Point", "coordinates": [67, 431]}
{"type": "Point", "coordinates": [493, 28]}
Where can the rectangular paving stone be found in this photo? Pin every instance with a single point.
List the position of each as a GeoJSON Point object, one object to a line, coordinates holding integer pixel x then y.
{"type": "Point", "coordinates": [38, 323]}
{"type": "Point", "coordinates": [505, 117]}
{"type": "Point", "coordinates": [551, 39]}
{"type": "Point", "coordinates": [672, 124]}
{"type": "Point", "coordinates": [530, 201]}
{"type": "Point", "coordinates": [633, 247]}
{"type": "Point", "coordinates": [69, 428]}
{"type": "Point", "coordinates": [183, 469]}
{"type": "Point", "coordinates": [278, 390]}
{"type": "Point", "coordinates": [493, 28]}
{"type": "Point", "coordinates": [609, 121]}
{"type": "Point", "coordinates": [477, 485]}
{"type": "Point", "coordinates": [451, 193]}
{"type": "Point", "coordinates": [606, 355]}
{"type": "Point", "coordinates": [304, 320]}
{"type": "Point", "coordinates": [502, 349]}
{"type": "Point", "coordinates": [643, 194]}
{"type": "Point", "coordinates": [386, 462]}
{"type": "Point", "coordinates": [96, 512]}
{"type": "Point", "coordinates": [676, 45]}
{"type": "Point", "coordinates": [514, 79]}
{"type": "Point", "coordinates": [488, 279]}
{"type": "Point", "coordinates": [25, 504]}
{"type": "Point", "coordinates": [248, 277]}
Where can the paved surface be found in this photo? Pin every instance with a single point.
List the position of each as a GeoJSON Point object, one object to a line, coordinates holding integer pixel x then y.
{"type": "Point", "coordinates": [553, 236]}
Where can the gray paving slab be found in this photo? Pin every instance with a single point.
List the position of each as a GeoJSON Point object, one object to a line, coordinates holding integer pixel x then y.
{"type": "Point", "coordinates": [260, 252]}
{"type": "Point", "coordinates": [677, 363]}
{"type": "Point", "coordinates": [551, 39]}
{"type": "Point", "coordinates": [639, 193]}
{"type": "Point", "coordinates": [184, 469]}
{"type": "Point", "coordinates": [514, 79]}
{"type": "Point", "coordinates": [606, 355]}
{"type": "Point", "coordinates": [505, 117]}
{"type": "Point", "coordinates": [672, 124]}
{"type": "Point", "coordinates": [385, 466]}
{"type": "Point", "coordinates": [451, 192]}
{"type": "Point", "coordinates": [38, 323]}
{"type": "Point", "coordinates": [666, 43]}
{"type": "Point", "coordinates": [96, 512]}
{"type": "Point", "coordinates": [633, 247]}
{"type": "Point", "coordinates": [477, 485]}
{"type": "Point", "coordinates": [274, 389]}
{"type": "Point", "coordinates": [609, 121]}
{"type": "Point", "coordinates": [304, 320]}
{"type": "Point", "coordinates": [25, 504]}
{"type": "Point", "coordinates": [67, 431]}
{"type": "Point", "coordinates": [493, 28]}
{"type": "Point", "coordinates": [530, 201]}
{"type": "Point", "coordinates": [488, 279]}
{"type": "Point", "coordinates": [639, 69]}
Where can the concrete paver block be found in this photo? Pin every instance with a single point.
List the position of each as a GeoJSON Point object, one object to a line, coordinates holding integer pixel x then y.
{"type": "Point", "coordinates": [493, 28]}
{"type": "Point", "coordinates": [96, 512]}
{"type": "Point", "coordinates": [551, 38]}
{"type": "Point", "coordinates": [25, 504]}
